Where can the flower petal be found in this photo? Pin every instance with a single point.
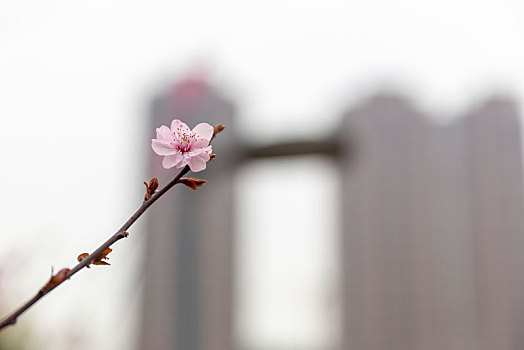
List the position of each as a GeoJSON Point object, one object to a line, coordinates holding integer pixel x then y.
{"type": "Point", "coordinates": [199, 144]}
{"type": "Point", "coordinates": [162, 149]}
{"type": "Point", "coordinates": [164, 134]}
{"type": "Point", "coordinates": [172, 160]}
{"type": "Point", "coordinates": [204, 153]}
{"type": "Point", "coordinates": [204, 131]}
{"type": "Point", "coordinates": [179, 127]}
{"type": "Point", "coordinates": [197, 164]}
{"type": "Point", "coordinates": [182, 162]}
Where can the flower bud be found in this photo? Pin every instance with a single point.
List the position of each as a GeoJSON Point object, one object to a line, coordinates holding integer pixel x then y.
{"type": "Point", "coordinates": [96, 261]}
{"type": "Point", "coordinates": [218, 128]}
{"type": "Point", "coordinates": [151, 188]}
{"type": "Point", "coordinates": [55, 280]}
{"type": "Point", "coordinates": [153, 184]}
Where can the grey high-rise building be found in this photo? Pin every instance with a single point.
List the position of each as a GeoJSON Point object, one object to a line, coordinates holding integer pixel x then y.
{"type": "Point", "coordinates": [188, 269]}
{"type": "Point", "coordinates": [431, 246]}
{"type": "Point", "coordinates": [433, 229]}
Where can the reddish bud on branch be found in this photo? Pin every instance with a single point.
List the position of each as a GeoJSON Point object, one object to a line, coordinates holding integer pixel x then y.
{"type": "Point", "coordinates": [55, 280]}
{"type": "Point", "coordinates": [218, 128]}
{"type": "Point", "coordinates": [97, 261]}
{"type": "Point", "coordinates": [82, 257]}
{"type": "Point", "coordinates": [151, 188]}
{"type": "Point", "coordinates": [192, 182]}
{"type": "Point", "coordinates": [212, 157]}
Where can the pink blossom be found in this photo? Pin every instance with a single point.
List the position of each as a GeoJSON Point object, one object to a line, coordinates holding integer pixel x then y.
{"type": "Point", "coordinates": [182, 146]}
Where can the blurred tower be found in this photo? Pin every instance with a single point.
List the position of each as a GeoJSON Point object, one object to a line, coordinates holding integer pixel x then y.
{"type": "Point", "coordinates": [188, 270]}
{"type": "Point", "coordinates": [378, 201]}
{"type": "Point", "coordinates": [433, 229]}
{"type": "Point", "coordinates": [494, 150]}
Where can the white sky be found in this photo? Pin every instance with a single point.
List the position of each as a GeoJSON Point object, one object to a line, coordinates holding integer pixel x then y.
{"type": "Point", "coordinates": [76, 76]}
{"type": "Point", "coordinates": [286, 280]}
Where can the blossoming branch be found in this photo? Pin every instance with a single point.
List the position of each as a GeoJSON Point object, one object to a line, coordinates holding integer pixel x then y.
{"type": "Point", "coordinates": [182, 148]}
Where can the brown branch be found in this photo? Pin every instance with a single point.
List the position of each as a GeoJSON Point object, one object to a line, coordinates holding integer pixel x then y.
{"type": "Point", "coordinates": [121, 233]}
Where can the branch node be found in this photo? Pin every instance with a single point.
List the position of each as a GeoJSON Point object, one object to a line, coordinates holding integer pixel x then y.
{"type": "Point", "coordinates": [121, 235]}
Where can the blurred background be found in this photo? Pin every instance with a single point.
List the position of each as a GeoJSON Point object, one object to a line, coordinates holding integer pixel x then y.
{"type": "Point", "coordinates": [367, 192]}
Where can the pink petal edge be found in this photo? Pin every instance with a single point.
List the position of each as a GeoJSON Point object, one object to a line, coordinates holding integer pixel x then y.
{"type": "Point", "coordinates": [204, 131]}
{"type": "Point", "coordinates": [161, 148]}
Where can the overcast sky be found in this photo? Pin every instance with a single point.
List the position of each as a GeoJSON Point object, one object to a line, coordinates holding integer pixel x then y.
{"type": "Point", "coordinates": [76, 78]}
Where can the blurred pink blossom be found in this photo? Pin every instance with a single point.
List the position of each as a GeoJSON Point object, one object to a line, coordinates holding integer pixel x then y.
{"type": "Point", "coordinates": [182, 146]}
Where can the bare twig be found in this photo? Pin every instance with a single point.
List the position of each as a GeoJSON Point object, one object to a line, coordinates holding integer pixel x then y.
{"type": "Point", "coordinates": [121, 233]}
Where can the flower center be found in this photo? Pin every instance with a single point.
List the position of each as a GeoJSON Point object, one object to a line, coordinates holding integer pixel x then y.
{"type": "Point", "coordinates": [184, 139]}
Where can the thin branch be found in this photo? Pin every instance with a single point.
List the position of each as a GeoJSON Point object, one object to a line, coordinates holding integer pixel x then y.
{"type": "Point", "coordinates": [121, 233]}
{"type": "Point", "coordinates": [11, 319]}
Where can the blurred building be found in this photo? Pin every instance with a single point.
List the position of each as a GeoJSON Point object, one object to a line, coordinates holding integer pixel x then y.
{"type": "Point", "coordinates": [188, 270]}
{"type": "Point", "coordinates": [433, 229]}
{"type": "Point", "coordinates": [432, 239]}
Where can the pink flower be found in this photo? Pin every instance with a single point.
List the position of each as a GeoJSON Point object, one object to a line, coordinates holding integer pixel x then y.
{"type": "Point", "coordinates": [182, 146]}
